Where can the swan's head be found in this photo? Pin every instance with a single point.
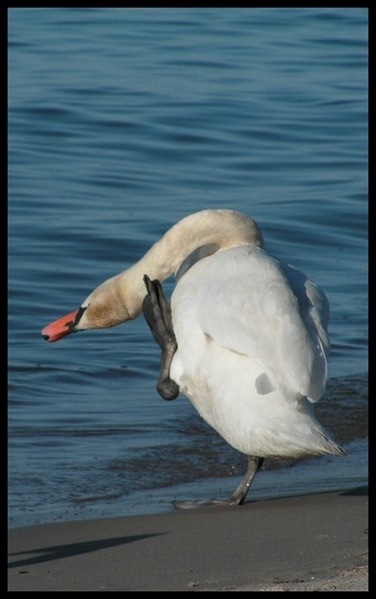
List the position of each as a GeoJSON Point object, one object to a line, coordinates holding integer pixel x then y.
{"type": "Point", "coordinates": [107, 306]}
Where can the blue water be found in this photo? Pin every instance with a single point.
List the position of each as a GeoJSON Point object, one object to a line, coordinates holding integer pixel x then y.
{"type": "Point", "coordinates": [122, 121]}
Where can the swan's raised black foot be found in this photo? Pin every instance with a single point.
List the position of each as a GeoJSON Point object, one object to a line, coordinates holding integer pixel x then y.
{"type": "Point", "coordinates": [157, 313]}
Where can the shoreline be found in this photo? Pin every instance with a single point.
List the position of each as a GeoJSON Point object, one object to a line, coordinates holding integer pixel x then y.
{"type": "Point", "coordinates": [310, 542]}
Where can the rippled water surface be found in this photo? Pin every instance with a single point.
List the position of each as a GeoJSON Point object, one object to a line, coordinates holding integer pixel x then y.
{"type": "Point", "coordinates": [122, 121]}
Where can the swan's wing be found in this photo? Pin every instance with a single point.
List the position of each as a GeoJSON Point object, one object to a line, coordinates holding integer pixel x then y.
{"type": "Point", "coordinates": [250, 304]}
{"type": "Point", "coordinates": [314, 311]}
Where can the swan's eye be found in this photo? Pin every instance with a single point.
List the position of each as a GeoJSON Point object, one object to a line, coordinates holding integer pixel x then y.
{"type": "Point", "coordinates": [72, 325]}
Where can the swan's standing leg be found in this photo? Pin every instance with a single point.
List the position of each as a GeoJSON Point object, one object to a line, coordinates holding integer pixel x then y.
{"type": "Point", "coordinates": [157, 313]}
{"type": "Point", "coordinates": [238, 496]}
{"type": "Point", "coordinates": [240, 493]}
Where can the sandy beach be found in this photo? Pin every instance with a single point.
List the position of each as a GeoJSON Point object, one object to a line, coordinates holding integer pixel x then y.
{"type": "Point", "coordinates": [315, 542]}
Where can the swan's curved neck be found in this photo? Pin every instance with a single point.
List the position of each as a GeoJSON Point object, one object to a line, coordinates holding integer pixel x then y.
{"type": "Point", "coordinates": [218, 229]}
{"type": "Point", "coordinates": [213, 229]}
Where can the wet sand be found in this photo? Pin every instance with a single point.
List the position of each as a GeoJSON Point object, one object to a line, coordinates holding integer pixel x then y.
{"type": "Point", "coordinates": [315, 542]}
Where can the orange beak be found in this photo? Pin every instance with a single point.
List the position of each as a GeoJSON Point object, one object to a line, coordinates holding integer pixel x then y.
{"type": "Point", "coordinates": [61, 327]}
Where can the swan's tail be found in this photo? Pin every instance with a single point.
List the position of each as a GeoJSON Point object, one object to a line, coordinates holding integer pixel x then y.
{"type": "Point", "coordinates": [330, 446]}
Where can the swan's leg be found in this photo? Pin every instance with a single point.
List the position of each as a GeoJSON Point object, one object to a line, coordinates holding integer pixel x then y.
{"type": "Point", "coordinates": [157, 313]}
{"type": "Point", "coordinates": [238, 496]}
{"type": "Point", "coordinates": [240, 493]}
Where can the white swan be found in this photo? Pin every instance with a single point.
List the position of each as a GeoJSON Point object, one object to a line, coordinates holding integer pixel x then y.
{"type": "Point", "coordinates": [251, 334]}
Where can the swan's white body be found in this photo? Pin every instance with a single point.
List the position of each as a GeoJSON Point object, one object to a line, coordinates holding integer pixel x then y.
{"type": "Point", "coordinates": [251, 332]}
{"type": "Point", "coordinates": [250, 351]}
